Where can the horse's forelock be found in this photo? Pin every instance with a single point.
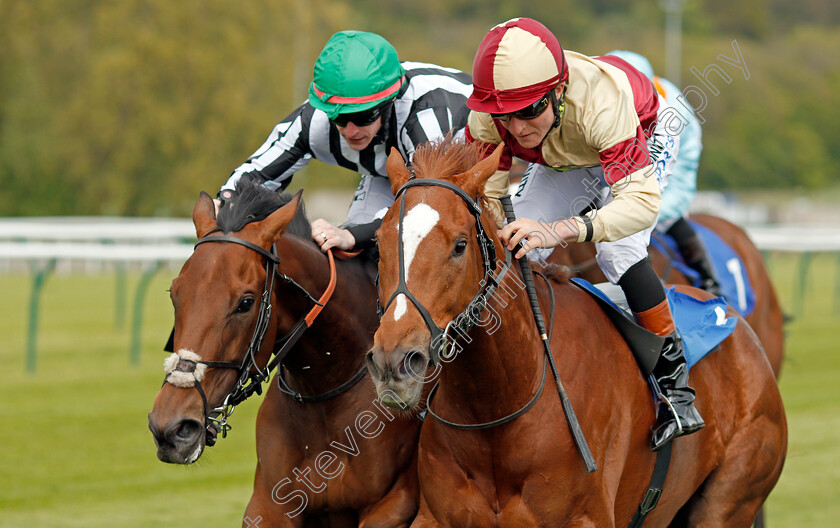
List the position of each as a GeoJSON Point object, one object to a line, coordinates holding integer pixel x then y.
{"type": "Point", "coordinates": [449, 157]}
{"type": "Point", "coordinates": [253, 202]}
{"type": "Point", "coordinates": [445, 158]}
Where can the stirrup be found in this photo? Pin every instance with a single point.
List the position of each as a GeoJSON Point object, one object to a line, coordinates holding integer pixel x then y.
{"type": "Point", "coordinates": [663, 399]}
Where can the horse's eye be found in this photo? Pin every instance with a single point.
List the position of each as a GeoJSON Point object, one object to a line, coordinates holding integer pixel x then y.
{"type": "Point", "coordinates": [460, 247]}
{"type": "Point", "coordinates": [245, 305]}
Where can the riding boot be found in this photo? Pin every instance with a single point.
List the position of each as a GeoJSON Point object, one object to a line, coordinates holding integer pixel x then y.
{"type": "Point", "coordinates": [694, 253]}
{"type": "Point", "coordinates": [697, 258]}
{"type": "Point", "coordinates": [675, 413]}
{"type": "Point", "coordinates": [708, 282]}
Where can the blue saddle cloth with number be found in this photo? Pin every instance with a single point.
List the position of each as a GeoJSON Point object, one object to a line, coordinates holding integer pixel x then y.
{"type": "Point", "coordinates": [701, 324]}
{"type": "Point", "coordinates": [729, 269]}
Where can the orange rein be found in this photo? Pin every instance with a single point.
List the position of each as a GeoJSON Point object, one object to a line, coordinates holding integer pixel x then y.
{"type": "Point", "coordinates": [325, 297]}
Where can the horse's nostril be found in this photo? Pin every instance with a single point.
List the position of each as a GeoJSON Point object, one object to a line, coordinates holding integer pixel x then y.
{"type": "Point", "coordinates": [187, 430]}
{"type": "Point", "coordinates": [415, 364]}
{"type": "Point", "coordinates": [371, 365]}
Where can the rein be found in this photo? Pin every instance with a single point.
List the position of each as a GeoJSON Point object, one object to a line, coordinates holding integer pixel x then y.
{"type": "Point", "coordinates": [514, 415]}
{"type": "Point", "coordinates": [248, 382]}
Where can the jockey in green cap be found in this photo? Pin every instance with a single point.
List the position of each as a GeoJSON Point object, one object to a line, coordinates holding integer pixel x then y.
{"type": "Point", "coordinates": [362, 102]}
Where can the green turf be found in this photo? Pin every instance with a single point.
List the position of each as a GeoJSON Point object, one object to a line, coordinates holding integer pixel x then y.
{"type": "Point", "coordinates": [77, 451]}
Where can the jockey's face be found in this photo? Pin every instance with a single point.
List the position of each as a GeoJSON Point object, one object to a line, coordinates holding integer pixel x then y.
{"type": "Point", "coordinates": [530, 132]}
{"type": "Point", "coordinates": [359, 137]}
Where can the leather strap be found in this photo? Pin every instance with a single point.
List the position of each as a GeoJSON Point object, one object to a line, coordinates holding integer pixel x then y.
{"type": "Point", "coordinates": [657, 484]}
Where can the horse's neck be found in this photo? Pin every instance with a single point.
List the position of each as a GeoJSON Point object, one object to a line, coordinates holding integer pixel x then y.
{"type": "Point", "coordinates": [500, 366]}
{"type": "Point", "coordinates": [332, 350]}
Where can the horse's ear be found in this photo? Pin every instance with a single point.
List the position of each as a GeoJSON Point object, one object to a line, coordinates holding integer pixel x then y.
{"type": "Point", "coordinates": [275, 225]}
{"type": "Point", "coordinates": [397, 172]}
{"type": "Point", "coordinates": [204, 215]}
{"type": "Point", "coordinates": [472, 180]}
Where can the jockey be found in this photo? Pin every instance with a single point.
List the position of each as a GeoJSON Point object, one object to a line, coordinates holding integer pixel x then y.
{"type": "Point", "coordinates": [682, 185]}
{"type": "Point", "coordinates": [362, 101]}
{"type": "Point", "coordinates": [588, 127]}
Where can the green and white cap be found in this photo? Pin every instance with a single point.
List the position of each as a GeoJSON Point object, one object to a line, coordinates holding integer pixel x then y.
{"type": "Point", "coordinates": [356, 71]}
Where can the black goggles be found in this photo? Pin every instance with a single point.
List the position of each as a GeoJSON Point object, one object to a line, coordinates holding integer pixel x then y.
{"type": "Point", "coordinates": [360, 119]}
{"type": "Point", "coordinates": [532, 111]}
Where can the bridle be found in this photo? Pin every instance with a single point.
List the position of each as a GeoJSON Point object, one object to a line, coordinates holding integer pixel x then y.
{"type": "Point", "coordinates": [464, 321]}
{"type": "Point", "coordinates": [249, 376]}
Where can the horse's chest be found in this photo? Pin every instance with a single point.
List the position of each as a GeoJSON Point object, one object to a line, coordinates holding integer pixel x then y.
{"type": "Point", "coordinates": [513, 481]}
{"type": "Point", "coordinates": [339, 467]}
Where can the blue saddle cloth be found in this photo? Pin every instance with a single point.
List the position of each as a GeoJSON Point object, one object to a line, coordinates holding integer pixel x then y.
{"type": "Point", "coordinates": [729, 269]}
{"type": "Point", "coordinates": [701, 324]}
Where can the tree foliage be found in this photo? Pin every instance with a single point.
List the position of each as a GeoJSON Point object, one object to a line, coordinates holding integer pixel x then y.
{"type": "Point", "coordinates": [133, 107]}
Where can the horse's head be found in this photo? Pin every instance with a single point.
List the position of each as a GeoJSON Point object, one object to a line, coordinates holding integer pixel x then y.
{"type": "Point", "coordinates": [219, 297]}
{"type": "Point", "coordinates": [436, 246]}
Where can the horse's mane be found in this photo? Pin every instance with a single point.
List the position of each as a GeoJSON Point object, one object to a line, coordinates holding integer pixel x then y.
{"type": "Point", "coordinates": [252, 202]}
{"type": "Point", "coordinates": [557, 272]}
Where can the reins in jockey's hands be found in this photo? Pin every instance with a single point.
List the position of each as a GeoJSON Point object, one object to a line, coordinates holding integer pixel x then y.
{"type": "Point", "coordinates": [328, 236]}
{"type": "Point", "coordinates": [533, 234]}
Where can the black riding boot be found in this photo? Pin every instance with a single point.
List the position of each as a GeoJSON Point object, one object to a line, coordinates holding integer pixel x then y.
{"type": "Point", "coordinates": [649, 304]}
{"type": "Point", "coordinates": [695, 255]}
{"type": "Point", "coordinates": [680, 417]}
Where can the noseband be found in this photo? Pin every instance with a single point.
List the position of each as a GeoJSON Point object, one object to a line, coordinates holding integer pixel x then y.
{"type": "Point", "coordinates": [464, 321]}
{"type": "Point", "coordinates": [249, 376]}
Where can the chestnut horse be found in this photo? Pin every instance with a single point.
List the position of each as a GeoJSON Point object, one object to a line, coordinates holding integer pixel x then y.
{"type": "Point", "coordinates": [528, 471]}
{"type": "Point", "coordinates": [336, 462]}
{"type": "Point", "coordinates": [766, 319]}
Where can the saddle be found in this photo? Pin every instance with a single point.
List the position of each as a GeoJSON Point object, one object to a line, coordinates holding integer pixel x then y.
{"type": "Point", "coordinates": [701, 324]}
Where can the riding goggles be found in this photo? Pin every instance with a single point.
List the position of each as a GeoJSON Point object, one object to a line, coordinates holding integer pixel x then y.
{"type": "Point", "coordinates": [360, 119]}
{"type": "Point", "coordinates": [531, 111]}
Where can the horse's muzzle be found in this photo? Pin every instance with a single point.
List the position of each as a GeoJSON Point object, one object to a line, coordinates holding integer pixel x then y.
{"type": "Point", "coordinates": [180, 441]}
{"type": "Point", "coordinates": [398, 375]}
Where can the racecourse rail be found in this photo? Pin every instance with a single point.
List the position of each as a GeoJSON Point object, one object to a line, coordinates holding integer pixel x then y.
{"type": "Point", "coordinates": [152, 243]}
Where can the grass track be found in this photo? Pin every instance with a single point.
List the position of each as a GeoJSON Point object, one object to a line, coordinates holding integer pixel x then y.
{"type": "Point", "coordinates": [77, 451]}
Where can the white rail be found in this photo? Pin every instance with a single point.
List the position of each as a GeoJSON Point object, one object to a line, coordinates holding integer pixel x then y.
{"type": "Point", "coordinates": [94, 251]}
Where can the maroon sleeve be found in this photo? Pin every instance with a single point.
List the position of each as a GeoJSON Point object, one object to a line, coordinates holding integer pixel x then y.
{"type": "Point", "coordinates": [487, 148]}
{"type": "Point", "coordinates": [625, 158]}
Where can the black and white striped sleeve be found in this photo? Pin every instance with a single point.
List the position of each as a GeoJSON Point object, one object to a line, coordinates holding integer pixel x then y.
{"type": "Point", "coordinates": [284, 152]}
{"type": "Point", "coordinates": [440, 104]}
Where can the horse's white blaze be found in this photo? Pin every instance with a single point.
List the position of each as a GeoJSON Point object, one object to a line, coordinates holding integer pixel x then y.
{"type": "Point", "coordinates": [418, 223]}
{"type": "Point", "coordinates": [399, 311]}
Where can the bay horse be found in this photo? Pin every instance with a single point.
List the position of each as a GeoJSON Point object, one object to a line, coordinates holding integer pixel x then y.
{"type": "Point", "coordinates": [767, 318]}
{"type": "Point", "coordinates": [328, 454]}
{"type": "Point", "coordinates": [527, 470]}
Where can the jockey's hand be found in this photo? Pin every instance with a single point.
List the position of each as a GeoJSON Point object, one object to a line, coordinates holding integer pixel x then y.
{"type": "Point", "coordinates": [329, 236]}
{"type": "Point", "coordinates": [217, 203]}
{"type": "Point", "coordinates": [533, 234]}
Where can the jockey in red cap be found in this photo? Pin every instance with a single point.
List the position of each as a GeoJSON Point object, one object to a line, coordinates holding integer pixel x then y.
{"type": "Point", "coordinates": [598, 160]}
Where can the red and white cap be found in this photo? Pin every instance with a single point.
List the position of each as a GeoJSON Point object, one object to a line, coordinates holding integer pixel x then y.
{"type": "Point", "coordinates": [516, 64]}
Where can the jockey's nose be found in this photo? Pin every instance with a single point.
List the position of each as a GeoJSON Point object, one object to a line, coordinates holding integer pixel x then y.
{"type": "Point", "coordinates": [351, 129]}
{"type": "Point", "coordinates": [516, 125]}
